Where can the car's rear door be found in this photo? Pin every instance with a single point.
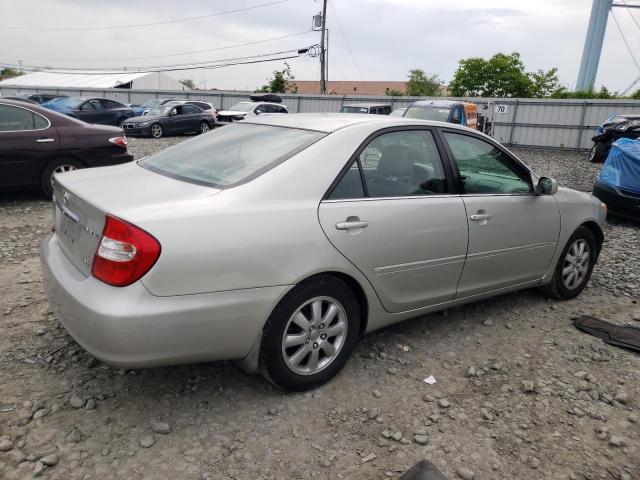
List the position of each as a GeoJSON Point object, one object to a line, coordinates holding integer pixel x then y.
{"type": "Point", "coordinates": [513, 232]}
{"type": "Point", "coordinates": [392, 214]}
{"type": "Point", "coordinates": [191, 116]}
{"type": "Point", "coordinates": [27, 140]}
{"type": "Point", "coordinates": [91, 111]}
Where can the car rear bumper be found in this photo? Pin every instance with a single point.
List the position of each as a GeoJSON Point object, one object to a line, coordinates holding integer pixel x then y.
{"type": "Point", "coordinates": [618, 202]}
{"type": "Point", "coordinates": [129, 327]}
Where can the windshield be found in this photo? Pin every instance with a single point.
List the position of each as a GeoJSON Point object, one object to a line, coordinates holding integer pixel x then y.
{"type": "Point", "coordinates": [71, 102]}
{"type": "Point", "coordinates": [439, 114]}
{"type": "Point", "coordinates": [348, 109]}
{"type": "Point", "coordinates": [243, 107]}
{"type": "Point", "coordinates": [158, 112]}
{"type": "Point", "coordinates": [230, 155]}
{"type": "Point", "coordinates": [154, 102]}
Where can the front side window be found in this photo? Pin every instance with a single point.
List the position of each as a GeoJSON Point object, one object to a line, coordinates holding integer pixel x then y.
{"type": "Point", "coordinates": [231, 155]}
{"type": "Point", "coordinates": [397, 164]}
{"type": "Point", "coordinates": [14, 119]}
{"type": "Point", "coordinates": [484, 168]}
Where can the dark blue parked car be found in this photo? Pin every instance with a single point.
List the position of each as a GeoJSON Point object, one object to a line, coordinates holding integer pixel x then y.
{"type": "Point", "coordinates": [92, 110]}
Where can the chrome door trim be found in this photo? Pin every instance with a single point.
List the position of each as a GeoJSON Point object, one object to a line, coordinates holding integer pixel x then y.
{"type": "Point", "coordinates": [493, 253]}
{"type": "Point", "coordinates": [402, 267]}
{"type": "Point", "coordinates": [45, 140]}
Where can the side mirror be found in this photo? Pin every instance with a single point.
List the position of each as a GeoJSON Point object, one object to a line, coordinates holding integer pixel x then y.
{"type": "Point", "coordinates": [546, 186]}
{"type": "Point", "coordinates": [258, 111]}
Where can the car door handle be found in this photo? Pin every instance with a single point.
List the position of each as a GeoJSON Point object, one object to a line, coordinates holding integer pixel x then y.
{"type": "Point", "coordinates": [479, 217]}
{"type": "Point", "coordinates": [351, 224]}
{"type": "Point", "coordinates": [45, 140]}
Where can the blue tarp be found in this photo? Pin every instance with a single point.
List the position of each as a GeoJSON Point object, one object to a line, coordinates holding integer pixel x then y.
{"type": "Point", "coordinates": [622, 167]}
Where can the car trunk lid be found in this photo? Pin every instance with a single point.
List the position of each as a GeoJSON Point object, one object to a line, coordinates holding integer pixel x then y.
{"type": "Point", "coordinates": [83, 198]}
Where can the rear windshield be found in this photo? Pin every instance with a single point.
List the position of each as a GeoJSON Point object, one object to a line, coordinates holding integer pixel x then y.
{"type": "Point", "coordinates": [440, 114]}
{"type": "Point", "coordinates": [243, 107]}
{"type": "Point", "coordinates": [347, 109]}
{"type": "Point", "coordinates": [230, 155]}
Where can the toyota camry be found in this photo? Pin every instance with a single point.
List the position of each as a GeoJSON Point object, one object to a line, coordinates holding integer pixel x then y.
{"type": "Point", "coordinates": [280, 241]}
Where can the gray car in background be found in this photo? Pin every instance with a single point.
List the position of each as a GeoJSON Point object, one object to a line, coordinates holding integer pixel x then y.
{"type": "Point", "coordinates": [279, 241]}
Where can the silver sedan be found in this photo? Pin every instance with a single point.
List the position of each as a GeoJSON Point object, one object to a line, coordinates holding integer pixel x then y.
{"type": "Point", "coordinates": [280, 241]}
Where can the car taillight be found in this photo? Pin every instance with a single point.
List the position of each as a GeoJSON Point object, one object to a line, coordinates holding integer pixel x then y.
{"type": "Point", "coordinates": [125, 253]}
{"type": "Point", "coordinates": [120, 141]}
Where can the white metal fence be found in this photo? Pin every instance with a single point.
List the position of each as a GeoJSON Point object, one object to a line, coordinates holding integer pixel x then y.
{"type": "Point", "coordinates": [547, 123]}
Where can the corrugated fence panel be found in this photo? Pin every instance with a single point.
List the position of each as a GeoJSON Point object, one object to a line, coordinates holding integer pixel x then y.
{"type": "Point", "coordinates": [548, 123]}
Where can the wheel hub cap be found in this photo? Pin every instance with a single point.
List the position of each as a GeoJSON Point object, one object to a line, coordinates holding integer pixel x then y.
{"type": "Point", "coordinates": [314, 335]}
{"type": "Point", "coordinates": [576, 264]}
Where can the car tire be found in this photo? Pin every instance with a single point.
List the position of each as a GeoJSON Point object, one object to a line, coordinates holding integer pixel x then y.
{"type": "Point", "coordinates": [204, 127]}
{"type": "Point", "coordinates": [564, 285]}
{"type": "Point", "coordinates": [599, 152]}
{"type": "Point", "coordinates": [156, 130]}
{"type": "Point", "coordinates": [59, 165]}
{"type": "Point", "coordinates": [312, 357]}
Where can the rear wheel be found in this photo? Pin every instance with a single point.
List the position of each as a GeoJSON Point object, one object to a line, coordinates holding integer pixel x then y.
{"type": "Point", "coordinates": [310, 334]}
{"type": "Point", "coordinates": [574, 267]}
{"type": "Point", "coordinates": [204, 127]}
{"type": "Point", "coordinates": [156, 130]}
{"type": "Point", "coordinates": [59, 165]}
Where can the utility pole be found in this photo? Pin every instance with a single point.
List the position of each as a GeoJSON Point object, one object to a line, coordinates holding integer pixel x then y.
{"type": "Point", "coordinates": [323, 58]}
{"type": "Point", "coordinates": [593, 44]}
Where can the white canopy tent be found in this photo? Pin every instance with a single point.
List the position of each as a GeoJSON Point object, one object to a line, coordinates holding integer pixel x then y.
{"type": "Point", "coordinates": [144, 81]}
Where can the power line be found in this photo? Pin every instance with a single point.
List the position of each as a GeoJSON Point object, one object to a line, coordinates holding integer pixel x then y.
{"type": "Point", "coordinates": [173, 54]}
{"type": "Point", "coordinates": [633, 57]}
{"type": "Point", "coordinates": [174, 67]}
{"type": "Point", "coordinates": [346, 41]}
{"type": "Point", "coordinates": [121, 27]}
{"type": "Point", "coordinates": [633, 17]}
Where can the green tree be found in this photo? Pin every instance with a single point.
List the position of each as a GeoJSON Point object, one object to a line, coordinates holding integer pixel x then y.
{"type": "Point", "coordinates": [500, 76]}
{"type": "Point", "coordinates": [280, 82]}
{"type": "Point", "coordinates": [603, 94]}
{"type": "Point", "coordinates": [636, 95]}
{"type": "Point", "coordinates": [9, 73]}
{"type": "Point", "coordinates": [188, 83]}
{"type": "Point", "coordinates": [421, 85]}
{"type": "Point", "coordinates": [545, 84]}
{"type": "Point", "coordinates": [392, 92]}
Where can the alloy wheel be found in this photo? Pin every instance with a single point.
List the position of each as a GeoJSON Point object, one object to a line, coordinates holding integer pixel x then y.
{"type": "Point", "coordinates": [156, 131]}
{"type": "Point", "coordinates": [204, 127]}
{"type": "Point", "coordinates": [61, 169]}
{"type": "Point", "coordinates": [314, 335]}
{"type": "Point", "coordinates": [576, 264]}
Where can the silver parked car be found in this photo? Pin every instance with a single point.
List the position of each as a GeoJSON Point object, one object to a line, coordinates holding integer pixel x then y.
{"type": "Point", "coordinates": [281, 240]}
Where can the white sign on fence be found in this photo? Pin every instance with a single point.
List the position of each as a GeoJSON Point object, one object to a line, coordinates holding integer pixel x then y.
{"type": "Point", "coordinates": [501, 108]}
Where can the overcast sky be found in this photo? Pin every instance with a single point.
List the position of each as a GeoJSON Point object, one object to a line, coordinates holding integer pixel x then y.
{"type": "Point", "coordinates": [386, 37]}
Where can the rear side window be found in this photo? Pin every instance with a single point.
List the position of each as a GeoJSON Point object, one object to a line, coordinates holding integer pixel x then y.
{"type": "Point", "coordinates": [395, 164]}
{"type": "Point", "coordinates": [14, 119]}
{"type": "Point", "coordinates": [231, 155]}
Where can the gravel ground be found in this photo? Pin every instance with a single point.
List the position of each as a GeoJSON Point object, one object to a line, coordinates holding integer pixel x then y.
{"type": "Point", "coordinates": [520, 393]}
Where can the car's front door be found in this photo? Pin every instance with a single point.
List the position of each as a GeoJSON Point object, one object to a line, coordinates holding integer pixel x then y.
{"type": "Point", "coordinates": [513, 232]}
{"type": "Point", "coordinates": [27, 139]}
{"type": "Point", "coordinates": [91, 111]}
{"type": "Point", "coordinates": [392, 215]}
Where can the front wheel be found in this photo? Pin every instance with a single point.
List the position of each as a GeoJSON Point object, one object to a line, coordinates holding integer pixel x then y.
{"type": "Point", "coordinates": [310, 334]}
{"type": "Point", "coordinates": [59, 165]}
{"type": "Point", "coordinates": [204, 127]}
{"type": "Point", "coordinates": [156, 130]}
{"type": "Point", "coordinates": [574, 266]}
